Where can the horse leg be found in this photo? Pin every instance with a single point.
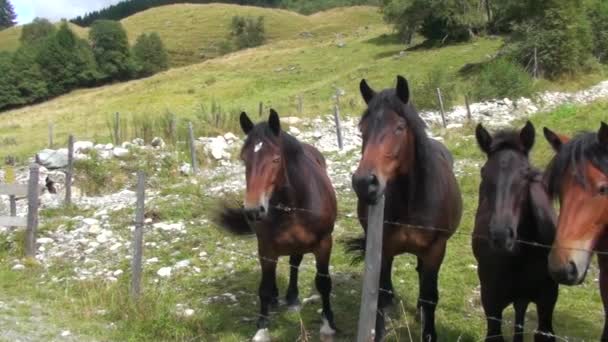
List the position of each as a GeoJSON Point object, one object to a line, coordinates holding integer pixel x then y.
{"type": "Point", "coordinates": [520, 318]}
{"type": "Point", "coordinates": [266, 293]}
{"type": "Point", "coordinates": [385, 295]}
{"type": "Point", "coordinates": [293, 303]}
{"type": "Point", "coordinates": [544, 308]}
{"type": "Point", "coordinates": [603, 265]}
{"type": "Point", "coordinates": [493, 313]}
{"type": "Point", "coordinates": [428, 274]}
{"type": "Point", "coordinates": [323, 283]}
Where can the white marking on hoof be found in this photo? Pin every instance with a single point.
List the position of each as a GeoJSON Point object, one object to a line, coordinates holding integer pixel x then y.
{"type": "Point", "coordinates": [294, 308]}
{"type": "Point", "coordinates": [263, 335]}
{"type": "Point", "coordinates": [326, 329]}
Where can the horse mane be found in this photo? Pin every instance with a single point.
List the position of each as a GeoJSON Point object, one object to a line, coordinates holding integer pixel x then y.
{"type": "Point", "coordinates": [420, 182]}
{"type": "Point", "coordinates": [584, 147]}
{"type": "Point", "coordinates": [507, 139]}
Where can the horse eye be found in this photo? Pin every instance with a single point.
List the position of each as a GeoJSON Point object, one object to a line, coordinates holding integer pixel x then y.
{"type": "Point", "coordinates": [400, 128]}
{"type": "Point", "coordinates": [603, 190]}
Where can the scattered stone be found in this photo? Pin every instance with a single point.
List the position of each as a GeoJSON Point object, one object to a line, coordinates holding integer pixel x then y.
{"type": "Point", "coordinates": [182, 264]}
{"type": "Point", "coordinates": [294, 131]}
{"type": "Point", "coordinates": [119, 152]}
{"type": "Point", "coordinates": [185, 169]}
{"type": "Point", "coordinates": [164, 272]}
{"type": "Point", "coordinates": [83, 146]}
{"type": "Point", "coordinates": [65, 333]}
{"type": "Point", "coordinates": [158, 143]}
{"type": "Point", "coordinates": [18, 267]}
{"type": "Point", "coordinates": [53, 159]}
{"type": "Point", "coordinates": [44, 240]}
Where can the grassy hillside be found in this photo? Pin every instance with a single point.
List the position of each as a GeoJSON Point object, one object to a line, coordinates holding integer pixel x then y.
{"type": "Point", "coordinates": [9, 38]}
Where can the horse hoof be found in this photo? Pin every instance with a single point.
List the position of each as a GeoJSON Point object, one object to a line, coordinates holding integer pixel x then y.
{"type": "Point", "coordinates": [327, 332]}
{"type": "Point", "coordinates": [263, 335]}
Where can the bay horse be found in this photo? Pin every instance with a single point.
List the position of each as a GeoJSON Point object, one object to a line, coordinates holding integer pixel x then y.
{"type": "Point", "coordinates": [290, 205]}
{"type": "Point", "coordinates": [514, 208]}
{"type": "Point", "coordinates": [578, 177]}
{"type": "Point", "coordinates": [415, 174]}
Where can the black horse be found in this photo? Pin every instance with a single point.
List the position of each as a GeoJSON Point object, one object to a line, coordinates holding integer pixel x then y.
{"type": "Point", "coordinates": [514, 206]}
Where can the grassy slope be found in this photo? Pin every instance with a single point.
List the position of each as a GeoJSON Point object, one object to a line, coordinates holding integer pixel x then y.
{"type": "Point", "coordinates": [459, 317]}
{"type": "Point", "coordinates": [9, 38]}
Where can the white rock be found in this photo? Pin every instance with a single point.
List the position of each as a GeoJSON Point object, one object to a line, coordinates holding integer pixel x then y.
{"type": "Point", "coordinates": [53, 159]}
{"type": "Point", "coordinates": [117, 273]}
{"type": "Point", "coordinates": [83, 146]}
{"type": "Point", "coordinates": [185, 169]}
{"type": "Point", "coordinates": [44, 240]}
{"type": "Point", "coordinates": [158, 142]}
{"type": "Point", "coordinates": [115, 246]}
{"type": "Point", "coordinates": [18, 267]}
{"type": "Point", "coordinates": [291, 120]}
{"type": "Point", "coordinates": [127, 145]}
{"type": "Point", "coordinates": [152, 260]}
{"type": "Point", "coordinates": [294, 131]}
{"type": "Point", "coordinates": [188, 312]}
{"type": "Point", "coordinates": [138, 142]}
{"type": "Point", "coordinates": [90, 221]}
{"type": "Point", "coordinates": [169, 226]}
{"type": "Point", "coordinates": [182, 264]}
{"type": "Point", "coordinates": [230, 137]}
{"type": "Point", "coordinates": [120, 152]}
{"type": "Point", "coordinates": [65, 333]}
{"type": "Point", "coordinates": [164, 272]}
{"type": "Point", "coordinates": [109, 146]}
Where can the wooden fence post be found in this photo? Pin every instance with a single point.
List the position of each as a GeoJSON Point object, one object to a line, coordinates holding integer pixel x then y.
{"type": "Point", "coordinates": [261, 108]}
{"type": "Point", "coordinates": [466, 102]}
{"type": "Point", "coordinates": [138, 237]}
{"type": "Point", "coordinates": [371, 276]}
{"type": "Point", "coordinates": [51, 134]}
{"type": "Point", "coordinates": [338, 126]}
{"type": "Point", "coordinates": [32, 212]}
{"type": "Point", "coordinates": [117, 128]}
{"type": "Point", "coordinates": [69, 172]}
{"type": "Point", "coordinates": [300, 105]}
{"type": "Point", "coordinates": [441, 107]}
{"type": "Point", "coordinates": [12, 199]}
{"type": "Point", "coordinates": [192, 149]}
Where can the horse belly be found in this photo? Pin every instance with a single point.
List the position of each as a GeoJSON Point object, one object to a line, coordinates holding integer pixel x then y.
{"type": "Point", "coordinates": [408, 240]}
{"type": "Point", "coordinates": [297, 239]}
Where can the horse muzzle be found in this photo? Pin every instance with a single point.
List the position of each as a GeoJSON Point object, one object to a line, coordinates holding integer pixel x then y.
{"type": "Point", "coordinates": [368, 188]}
{"type": "Point", "coordinates": [572, 270]}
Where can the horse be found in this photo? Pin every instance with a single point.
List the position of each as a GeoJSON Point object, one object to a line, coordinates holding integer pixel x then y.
{"type": "Point", "coordinates": [415, 174]}
{"type": "Point", "coordinates": [578, 177]}
{"type": "Point", "coordinates": [290, 205]}
{"type": "Point", "coordinates": [514, 213]}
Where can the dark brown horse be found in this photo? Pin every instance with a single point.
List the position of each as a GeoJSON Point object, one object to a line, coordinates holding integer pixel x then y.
{"type": "Point", "coordinates": [514, 208]}
{"type": "Point", "coordinates": [578, 177]}
{"type": "Point", "coordinates": [415, 174]}
{"type": "Point", "coordinates": [281, 173]}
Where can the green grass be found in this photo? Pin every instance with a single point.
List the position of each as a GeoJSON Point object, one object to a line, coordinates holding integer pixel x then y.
{"type": "Point", "coordinates": [578, 315]}
{"type": "Point", "coordinates": [9, 38]}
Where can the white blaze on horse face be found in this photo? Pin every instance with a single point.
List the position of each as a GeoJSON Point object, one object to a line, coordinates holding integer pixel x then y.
{"type": "Point", "coordinates": [258, 147]}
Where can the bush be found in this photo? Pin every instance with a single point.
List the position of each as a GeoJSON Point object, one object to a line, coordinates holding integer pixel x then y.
{"type": "Point", "coordinates": [30, 83]}
{"type": "Point", "coordinates": [111, 50]}
{"type": "Point", "coordinates": [247, 32]}
{"type": "Point", "coordinates": [36, 31]}
{"type": "Point", "coordinates": [9, 94]}
{"type": "Point", "coordinates": [598, 15]}
{"type": "Point", "coordinates": [425, 92]}
{"type": "Point", "coordinates": [150, 54]}
{"type": "Point", "coordinates": [562, 39]}
{"type": "Point", "coordinates": [502, 78]}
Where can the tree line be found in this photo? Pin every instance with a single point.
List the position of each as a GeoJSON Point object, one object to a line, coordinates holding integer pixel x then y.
{"type": "Point", "coordinates": [551, 38]}
{"type": "Point", "coordinates": [127, 8]}
{"type": "Point", "coordinates": [52, 61]}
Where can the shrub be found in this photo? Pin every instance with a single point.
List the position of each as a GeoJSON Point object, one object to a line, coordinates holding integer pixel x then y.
{"type": "Point", "coordinates": [36, 31]}
{"type": "Point", "coordinates": [502, 78]}
{"type": "Point", "coordinates": [150, 54]}
{"type": "Point", "coordinates": [425, 92]}
{"type": "Point", "coordinates": [111, 49]}
{"type": "Point", "coordinates": [247, 32]}
{"type": "Point", "coordinates": [9, 94]}
{"type": "Point", "coordinates": [598, 15]}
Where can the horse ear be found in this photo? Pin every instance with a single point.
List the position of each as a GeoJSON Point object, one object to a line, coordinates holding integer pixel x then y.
{"type": "Point", "coordinates": [556, 141]}
{"type": "Point", "coordinates": [403, 89]}
{"type": "Point", "coordinates": [602, 134]}
{"type": "Point", "coordinates": [366, 92]}
{"type": "Point", "coordinates": [246, 124]}
{"type": "Point", "coordinates": [484, 139]}
{"type": "Point", "coordinates": [274, 122]}
{"type": "Point", "coordinates": [527, 136]}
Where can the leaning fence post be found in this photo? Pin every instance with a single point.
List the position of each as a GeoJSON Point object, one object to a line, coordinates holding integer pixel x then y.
{"type": "Point", "coordinates": [192, 149]}
{"type": "Point", "coordinates": [32, 212]}
{"type": "Point", "coordinates": [69, 172]}
{"type": "Point", "coordinates": [371, 276]}
{"type": "Point", "coordinates": [441, 107]}
{"type": "Point", "coordinates": [466, 102]}
{"type": "Point", "coordinates": [51, 134]}
{"type": "Point", "coordinates": [138, 236]}
{"type": "Point", "coordinates": [338, 126]}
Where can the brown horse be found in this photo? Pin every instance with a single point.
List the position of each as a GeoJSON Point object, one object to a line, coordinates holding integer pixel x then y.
{"type": "Point", "coordinates": [283, 173]}
{"type": "Point", "coordinates": [415, 174]}
{"type": "Point", "coordinates": [578, 177]}
{"type": "Point", "coordinates": [514, 208]}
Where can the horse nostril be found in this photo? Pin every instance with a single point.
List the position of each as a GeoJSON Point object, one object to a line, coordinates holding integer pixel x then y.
{"type": "Point", "coordinates": [373, 180]}
{"type": "Point", "coordinates": [571, 271]}
{"type": "Point", "coordinates": [262, 209]}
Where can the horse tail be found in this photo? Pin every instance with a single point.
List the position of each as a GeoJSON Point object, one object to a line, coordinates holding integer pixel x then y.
{"type": "Point", "coordinates": [233, 220]}
{"type": "Point", "coordinates": [356, 247]}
